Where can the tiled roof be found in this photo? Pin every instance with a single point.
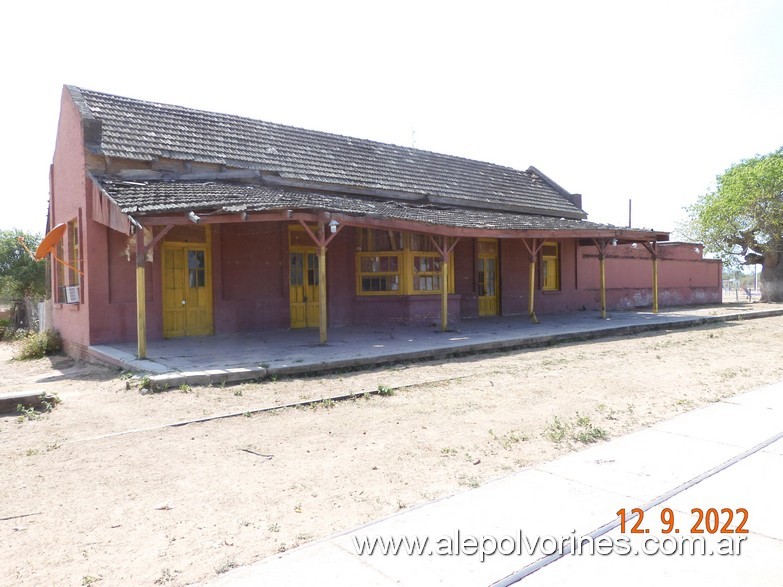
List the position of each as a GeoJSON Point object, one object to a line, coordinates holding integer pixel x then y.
{"type": "Point", "coordinates": [133, 129]}
{"type": "Point", "coordinates": [148, 198]}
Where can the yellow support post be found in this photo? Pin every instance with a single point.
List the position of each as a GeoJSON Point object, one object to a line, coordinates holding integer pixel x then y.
{"type": "Point", "coordinates": [531, 301]}
{"type": "Point", "coordinates": [322, 293]}
{"type": "Point", "coordinates": [655, 284]}
{"type": "Point", "coordinates": [141, 311]}
{"type": "Point", "coordinates": [444, 295]}
{"type": "Point", "coordinates": [602, 264]}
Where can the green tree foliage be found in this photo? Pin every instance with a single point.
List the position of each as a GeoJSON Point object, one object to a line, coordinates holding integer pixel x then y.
{"type": "Point", "coordinates": [743, 217]}
{"type": "Point", "coordinates": [20, 275]}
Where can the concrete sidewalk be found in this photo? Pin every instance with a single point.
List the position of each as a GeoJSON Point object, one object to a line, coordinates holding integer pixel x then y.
{"type": "Point", "coordinates": [238, 357]}
{"type": "Point", "coordinates": [726, 455]}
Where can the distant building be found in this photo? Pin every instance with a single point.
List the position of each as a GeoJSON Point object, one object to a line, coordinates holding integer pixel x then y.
{"type": "Point", "coordinates": [191, 223]}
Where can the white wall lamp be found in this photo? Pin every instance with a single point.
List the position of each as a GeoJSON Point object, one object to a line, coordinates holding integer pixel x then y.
{"type": "Point", "coordinates": [193, 217]}
{"type": "Point", "coordinates": [333, 226]}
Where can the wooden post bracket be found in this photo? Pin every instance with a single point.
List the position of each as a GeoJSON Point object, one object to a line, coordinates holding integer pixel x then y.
{"type": "Point", "coordinates": [600, 244]}
{"type": "Point", "coordinates": [533, 249]}
{"type": "Point", "coordinates": [445, 249]}
{"type": "Point", "coordinates": [652, 247]}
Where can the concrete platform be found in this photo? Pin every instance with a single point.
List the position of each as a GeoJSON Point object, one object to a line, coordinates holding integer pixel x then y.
{"type": "Point", "coordinates": [239, 357]}
{"type": "Point", "coordinates": [726, 455]}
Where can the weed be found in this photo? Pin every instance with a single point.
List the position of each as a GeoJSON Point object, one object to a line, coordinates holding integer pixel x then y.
{"type": "Point", "coordinates": [556, 431]}
{"type": "Point", "coordinates": [52, 446]}
{"type": "Point", "coordinates": [580, 430]}
{"type": "Point", "coordinates": [39, 345]}
{"type": "Point", "coordinates": [327, 403]}
{"type": "Point", "coordinates": [509, 438]}
{"type": "Point", "coordinates": [184, 388]}
{"type": "Point", "coordinates": [471, 482]}
{"type": "Point", "coordinates": [238, 392]}
{"type": "Point", "coordinates": [273, 378]}
{"type": "Point", "coordinates": [90, 580]}
{"type": "Point", "coordinates": [448, 452]}
{"type": "Point", "coordinates": [31, 452]}
{"type": "Point", "coordinates": [26, 413]}
{"type": "Point", "coordinates": [125, 374]}
{"type": "Point", "coordinates": [607, 412]}
{"type": "Point", "coordinates": [165, 577]}
{"type": "Point", "coordinates": [586, 433]}
{"type": "Point", "coordinates": [248, 415]}
{"type": "Point", "coordinates": [226, 566]}
{"type": "Point", "coordinates": [264, 365]}
{"type": "Point", "coordinates": [274, 527]}
{"type": "Point", "coordinates": [385, 390]}
{"type": "Point", "coordinates": [145, 383]}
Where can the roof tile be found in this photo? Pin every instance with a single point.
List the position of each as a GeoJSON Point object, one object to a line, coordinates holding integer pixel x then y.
{"type": "Point", "coordinates": [135, 129]}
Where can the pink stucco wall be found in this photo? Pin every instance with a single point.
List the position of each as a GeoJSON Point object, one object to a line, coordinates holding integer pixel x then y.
{"type": "Point", "coordinates": [684, 276]}
{"type": "Point", "coordinates": [250, 283]}
{"type": "Point", "coordinates": [68, 202]}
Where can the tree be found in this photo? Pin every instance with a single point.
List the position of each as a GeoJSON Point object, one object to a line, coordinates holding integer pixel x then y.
{"type": "Point", "coordinates": [20, 275]}
{"type": "Point", "coordinates": [743, 217]}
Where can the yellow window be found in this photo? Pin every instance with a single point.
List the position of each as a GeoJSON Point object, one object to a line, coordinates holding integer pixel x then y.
{"type": "Point", "coordinates": [391, 262]}
{"type": "Point", "coordinates": [74, 258]}
{"type": "Point", "coordinates": [378, 274]}
{"type": "Point", "coordinates": [550, 266]}
{"type": "Point", "coordinates": [59, 275]}
{"type": "Point", "coordinates": [426, 270]}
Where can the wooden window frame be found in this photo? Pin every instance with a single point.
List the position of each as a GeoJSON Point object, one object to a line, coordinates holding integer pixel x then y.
{"type": "Point", "coordinates": [406, 257]}
{"type": "Point", "coordinates": [361, 275]}
{"type": "Point", "coordinates": [69, 250]}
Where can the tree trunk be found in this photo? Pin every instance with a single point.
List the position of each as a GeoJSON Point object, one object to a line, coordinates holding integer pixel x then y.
{"type": "Point", "coordinates": [771, 279]}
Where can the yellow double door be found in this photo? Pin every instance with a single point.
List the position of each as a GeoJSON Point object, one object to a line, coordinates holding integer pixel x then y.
{"type": "Point", "coordinates": [303, 287]}
{"type": "Point", "coordinates": [187, 290]}
{"type": "Point", "coordinates": [488, 277]}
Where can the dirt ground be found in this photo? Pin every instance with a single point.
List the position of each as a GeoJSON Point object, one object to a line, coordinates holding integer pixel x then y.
{"type": "Point", "coordinates": [178, 505]}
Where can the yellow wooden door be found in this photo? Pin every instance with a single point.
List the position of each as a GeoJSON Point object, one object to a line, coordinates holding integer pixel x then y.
{"type": "Point", "coordinates": [187, 291]}
{"type": "Point", "coordinates": [303, 282]}
{"type": "Point", "coordinates": [488, 277]}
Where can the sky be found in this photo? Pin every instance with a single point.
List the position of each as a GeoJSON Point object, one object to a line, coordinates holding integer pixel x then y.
{"type": "Point", "coordinates": [647, 101]}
